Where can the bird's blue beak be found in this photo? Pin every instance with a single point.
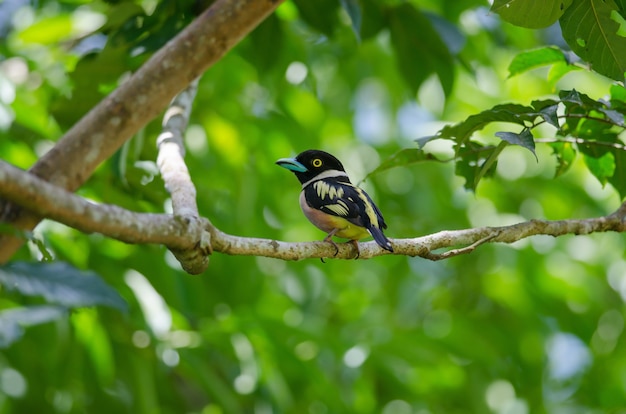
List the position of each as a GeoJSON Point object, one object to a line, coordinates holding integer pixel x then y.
{"type": "Point", "coordinates": [292, 165]}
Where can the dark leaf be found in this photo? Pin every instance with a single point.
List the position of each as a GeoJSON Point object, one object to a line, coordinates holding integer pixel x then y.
{"type": "Point", "coordinates": [266, 42]}
{"type": "Point", "coordinates": [513, 113]}
{"type": "Point", "coordinates": [614, 116]}
{"type": "Point", "coordinates": [547, 110]}
{"type": "Point", "coordinates": [12, 321]}
{"type": "Point", "coordinates": [419, 48]}
{"type": "Point", "coordinates": [523, 139]}
{"type": "Point", "coordinates": [320, 14]}
{"type": "Point", "coordinates": [471, 162]}
{"type": "Point", "coordinates": [405, 156]}
{"type": "Point", "coordinates": [60, 283]}
{"type": "Point", "coordinates": [449, 33]}
{"type": "Point", "coordinates": [591, 31]}
{"type": "Point", "coordinates": [373, 19]}
{"type": "Point", "coordinates": [353, 8]}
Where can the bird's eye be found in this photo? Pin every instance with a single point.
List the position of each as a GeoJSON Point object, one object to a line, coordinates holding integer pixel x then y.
{"type": "Point", "coordinates": [316, 162]}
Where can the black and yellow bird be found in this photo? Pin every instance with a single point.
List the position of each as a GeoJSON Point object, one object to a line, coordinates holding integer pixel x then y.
{"type": "Point", "coordinates": [332, 203]}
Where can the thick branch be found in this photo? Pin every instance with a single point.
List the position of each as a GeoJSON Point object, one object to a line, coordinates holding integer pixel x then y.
{"type": "Point", "coordinates": [138, 100]}
{"type": "Point", "coordinates": [47, 200]}
{"type": "Point", "coordinates": [44, 199]}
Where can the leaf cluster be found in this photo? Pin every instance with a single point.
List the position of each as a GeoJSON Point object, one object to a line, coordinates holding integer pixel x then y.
{"type": "Point", "coordinates": [579, 124]}
{"type": "Point", "coordinates": [593, 29]}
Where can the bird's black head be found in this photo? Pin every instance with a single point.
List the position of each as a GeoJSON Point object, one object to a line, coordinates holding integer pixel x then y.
{"type": "Point", "coordinates": [311, 163]}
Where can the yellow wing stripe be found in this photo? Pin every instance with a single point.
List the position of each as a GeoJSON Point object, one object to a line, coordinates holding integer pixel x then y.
{"type": "Point", "coordinates": [324, 189]}
{"type": "Point", "coordinates": [340, 208]}
{"type": "Point", "coordinates": [371, 214]}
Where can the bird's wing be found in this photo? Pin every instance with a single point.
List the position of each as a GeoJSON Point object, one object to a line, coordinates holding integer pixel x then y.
{"type": "Point", "coordinates": [344, 200]}
{"type": "Point", "coordinates": [336, 199]}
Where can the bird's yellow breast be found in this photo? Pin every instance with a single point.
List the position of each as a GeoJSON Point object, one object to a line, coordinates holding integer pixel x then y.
{"type": "Point", "coordinates": [327, 222]}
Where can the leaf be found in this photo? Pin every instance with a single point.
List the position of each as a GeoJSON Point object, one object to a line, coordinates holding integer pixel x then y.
{"type": "Point", "coordinates": [535, 58]}
{"type": "Point", "coordinates": [419, 49]}
{"type": "Point", "coordinates": [12, 321]}
{"type": "Point", "coordinates": [353, 8]}
{"type": "Point", "coordinates": [266, 44]}
{"type": "Point", "coordinates": [405, 156]}
{"type": "Point", "coordinates": [472, 162]}
{"type": "Point", "coordinates": [48, 31]}
{"type": "Point", "coordinates": [602, 168]}
{"type": "Point", "coordinates": [547, 110]}
{"type": "Point", "coordinates": [450, 33]}
{"type": "Point", "coordinates": [565, 155]}
{"type": "Point", "coordinates": [319, 14]}
{"type": "Point", "coordinates": [532, 14]}
{"type": "Point", "coordinates": [618, 178]}
{"type": "Point", "coordinates": [523, 139]}
{"type": "Point", "coordinates": [60, 283]}
{"type": "Point", "coordinates": [373, 20]}
{"type": "Point", "coordinates": [558, 70]}
{"type": "Point", "coordinates": [591, 31]}
{"type": "Point", "coordinates": [512, 113]}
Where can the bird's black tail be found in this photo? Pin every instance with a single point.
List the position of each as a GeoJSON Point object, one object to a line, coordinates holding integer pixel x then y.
{"type": "Point", "coordinates": [380, 238]}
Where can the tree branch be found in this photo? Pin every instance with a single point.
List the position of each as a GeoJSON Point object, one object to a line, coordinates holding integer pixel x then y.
{"type": "Point", "coordinates": [44, 199]}
{"type": "Point", "coordinates": [177, 180]}
{"type": "Point", "coordinates": [137, 101]}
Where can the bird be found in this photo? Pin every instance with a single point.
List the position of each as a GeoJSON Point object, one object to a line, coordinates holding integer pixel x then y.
{"type": "Point", "coordinates": [332, 203]}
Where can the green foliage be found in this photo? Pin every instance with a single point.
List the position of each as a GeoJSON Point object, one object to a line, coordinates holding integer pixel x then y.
{"type": "Point", "coordinates": [59, 283]}
{"type": "Point", "coordinates": [534, 14]}
{"type": "Point", "coordinates": [525, 61]}
{"type": "Point", "coordinates": [533, 327]}
{"type": "Point", "coordinates": [594, 29]}
{"type": "Point", "coordinates": [595, 124]}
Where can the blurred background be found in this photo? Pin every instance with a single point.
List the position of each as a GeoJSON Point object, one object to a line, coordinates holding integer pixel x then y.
{"type": "Point", "coordinates": [532, 327]}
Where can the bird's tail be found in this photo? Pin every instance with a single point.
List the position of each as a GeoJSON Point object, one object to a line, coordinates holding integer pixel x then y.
{"type": "Point", "coordinates": [380, 238]}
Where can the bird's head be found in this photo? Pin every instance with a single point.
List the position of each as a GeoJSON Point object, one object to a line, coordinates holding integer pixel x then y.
{"type": "Point", "coordinates": [310, 164]}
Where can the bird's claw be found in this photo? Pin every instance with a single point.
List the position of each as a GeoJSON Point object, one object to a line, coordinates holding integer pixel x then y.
{"type": "Point", "coordinates": [355, 243]}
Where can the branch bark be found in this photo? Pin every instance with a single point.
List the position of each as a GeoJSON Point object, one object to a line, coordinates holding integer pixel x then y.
{"type": "Point", "coordinates": [44, 199]}
{"type": "Point", "coordinates": [177, 179]}
{"type": "Point", "coordinates": [137, 101]}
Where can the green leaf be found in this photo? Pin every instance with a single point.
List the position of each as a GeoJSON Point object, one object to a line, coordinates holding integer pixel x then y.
{"type": "Point", "coordinates": [547, 109]}
{"type": "Point", "coordinates": [535, 58]}
{"type": "Point", "coordinates": [419, 49]}
{"type": "Point", "coordinates": [405, 156]}
{"type": "Point", "coordinates": [320, 14]}
{"type": "Point", "coordinates": [13, 321]}
{"type": "Point", "coordinates": [512, 113]}
{"type": "Point", "coordinates": [60, 283]}
{"type": "Point", "coordinates": [475, 162]}
{"type": "Point", "coordinates": [565, 155]}
{"type": "Point", "coordinates": [618, 178]}
{"type": "Point", "coordinates": [373, 19]}
{"type": "Point", "coordinates": [353, 8]}
{"type": "Point", "coordinates": [591, 31]}
{"type": "Point", "coordinates": [259, 52]}
{"type": "Point", "coordinates": [532, 14]}
{"type": "Point", "coordinates": [560, 69]}
{"type": "Point", "coordinates": [523, 139]}
{"type": "Point", "coordinates": [48, 31]}
{"type": "Point", "coordinates": [603, 167]}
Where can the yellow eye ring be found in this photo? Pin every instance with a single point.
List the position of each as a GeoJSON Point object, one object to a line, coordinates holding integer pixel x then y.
{"type": "Point", "coordinates": [317, 162]}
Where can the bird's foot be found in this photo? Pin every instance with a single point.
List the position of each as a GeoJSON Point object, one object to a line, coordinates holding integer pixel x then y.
{"type": "Point", "coordinates": [355, 243]}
